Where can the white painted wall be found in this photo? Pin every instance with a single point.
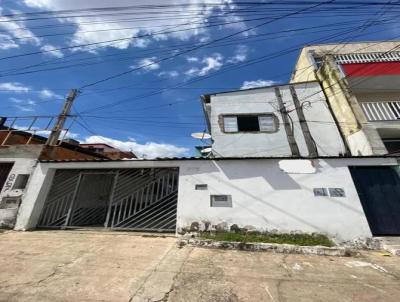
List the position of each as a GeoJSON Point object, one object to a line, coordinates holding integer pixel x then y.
{"type": "Point", "coordinates": [318, 116]}
{"type": "Point", "coordinates": [263, 196]}
{"type": "Point", "coordinates": [267, 198]}
{"type": "Point", "coordinates": [24, 161]}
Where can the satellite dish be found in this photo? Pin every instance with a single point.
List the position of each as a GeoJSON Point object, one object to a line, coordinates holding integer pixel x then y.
{"type": "Point", "coordinates": [201, 135]}
{"type": "Point", "coordinates": [206, 150]}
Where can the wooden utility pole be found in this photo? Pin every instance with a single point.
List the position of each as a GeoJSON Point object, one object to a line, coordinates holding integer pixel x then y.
{"type": "Point", "coordinates": [286, 122]}
{"type": "Point", "coordinates": [58, 127]}
{"type": "Point", "coordinates": [311, 146]}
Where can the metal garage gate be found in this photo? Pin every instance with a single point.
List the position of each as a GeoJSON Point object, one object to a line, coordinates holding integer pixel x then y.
{"type": "Point", "coordinates": [127, 199]}
{"type": "Point", "coordinates": [379, 192]}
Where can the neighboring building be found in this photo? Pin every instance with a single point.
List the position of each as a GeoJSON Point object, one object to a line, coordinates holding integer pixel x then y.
{"type": "Point", "coordinates": [361, 82]}
{"type": "Point", "coordinates": [109, 151]}
{"type": "Point", "coordinates": [19, 154]}
{"type": "Point", "coordinates": [272, 121]}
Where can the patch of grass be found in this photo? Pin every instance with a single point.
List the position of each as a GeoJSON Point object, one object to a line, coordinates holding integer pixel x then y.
{"type": "Point", "coordinates": [297, 239]}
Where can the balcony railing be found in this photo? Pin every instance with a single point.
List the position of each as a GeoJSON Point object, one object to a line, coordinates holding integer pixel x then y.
{"type": "Point", "coordinates": [381, 111]}
{"type": "Point", "coordinates": [372, 57]}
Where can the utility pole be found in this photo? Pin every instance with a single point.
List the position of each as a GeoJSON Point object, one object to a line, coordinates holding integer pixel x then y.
{"type": "Point", "coordinates": [311, 146]}
{"type": "Point", "coordinates": [286, 122]}
{"type": "Point", "coordinates": [58, 127]}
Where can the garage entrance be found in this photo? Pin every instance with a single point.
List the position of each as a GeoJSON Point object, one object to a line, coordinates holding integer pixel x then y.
{"type": "Point", "coordinates": [127, 199]}
{"type": "Point", "coordinates": [379, 192]}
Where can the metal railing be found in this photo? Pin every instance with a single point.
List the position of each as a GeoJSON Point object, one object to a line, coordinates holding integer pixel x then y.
{"type": "Point", "coordinates": [125, 209]}
{"type": "Point", "coordinates": [138, 199]}
{"type": "Point", "coordinates": [381, 111]}
{"type": "Point", "coordinates": [372, 57]}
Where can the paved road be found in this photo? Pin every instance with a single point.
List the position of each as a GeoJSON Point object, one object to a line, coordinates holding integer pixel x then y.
{"type": "Point", "coordinates": [102, 266]}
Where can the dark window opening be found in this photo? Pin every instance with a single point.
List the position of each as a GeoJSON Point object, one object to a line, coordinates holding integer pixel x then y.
{"type": "Point", "coordinates": [392, 146]}
{"type": "Point", "coordinates": [21, 181]}
{"type": "Point", "coordinates": [248, 123]}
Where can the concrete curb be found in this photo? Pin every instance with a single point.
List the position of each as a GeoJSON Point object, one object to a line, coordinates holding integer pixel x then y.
{"type": "Point", "coordinates": [268, 247]}
{"type": "Point", "coordinates": [394, 250]}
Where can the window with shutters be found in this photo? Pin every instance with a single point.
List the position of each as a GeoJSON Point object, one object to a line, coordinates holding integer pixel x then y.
{"type": "Point", "coordinates": [249, 123]}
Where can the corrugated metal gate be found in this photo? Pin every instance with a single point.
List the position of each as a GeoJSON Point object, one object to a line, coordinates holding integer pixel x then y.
{"type": "Point", "coordinates": [133, 199]}
{"type": "Point", "coordinates": [5, 169]}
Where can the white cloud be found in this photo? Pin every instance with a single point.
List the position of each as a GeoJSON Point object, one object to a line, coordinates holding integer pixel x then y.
{"type": "Point", "coordinates": [147, 64]}
{"type": "Point", "coordinates": [36, 130]}
{"type": "Point", "coordinates": [257, 83]}
{"type": "Point", "coordinates": [240, 54]}
{"type": "Point", "coordinates": [170, 74]}
{"type": "Point", "coordinates": [64, 134]}
{"type": "Point", "coordinates": [195, 13]}
{"type": "Point", "coordinates": [148, 150]}
{"type": "Point", "coordinates": [6, 42]}
{"type": "Point", "coordinates": [18, 30]}
{"type": "Point", "coordinates": [25, 105]}
{"type": "Point", "coordinates": [211, 63]}
{"type": "Point", "coordinates": [48, 94]}
{"type": "Point", "coordinates": [24, 108]}
{"type": "Point", "coordinates": [14, 87]}
{"type": "Point", "coordinates": [50, 51]}
{"type": "Point", "coordinates": [192, 59]}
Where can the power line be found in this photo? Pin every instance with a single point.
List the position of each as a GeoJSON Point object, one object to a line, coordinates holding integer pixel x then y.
{"type": "Point", "coordinates": [14, 72]}
{"type": "Point", "coordinates": [198, 47]}
{"type": "Point", "coordinates": [226, 69]}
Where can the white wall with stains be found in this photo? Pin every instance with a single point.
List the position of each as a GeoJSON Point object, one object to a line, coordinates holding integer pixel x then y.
{"type": "Point", "coordinates": [263, 196]}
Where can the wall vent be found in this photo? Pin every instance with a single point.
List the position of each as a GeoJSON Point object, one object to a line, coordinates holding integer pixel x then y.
{"type": "Point", "coordinates": [221, 201]}
{"type": "Point", "coordinates": [201, 187]}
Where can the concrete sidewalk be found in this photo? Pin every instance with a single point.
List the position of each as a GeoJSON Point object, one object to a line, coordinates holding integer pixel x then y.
{"type": "Point", "coordinates": [109, 266]}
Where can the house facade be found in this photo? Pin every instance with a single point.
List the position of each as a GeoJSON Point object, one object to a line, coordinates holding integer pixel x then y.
{"type": "Point", "coordinates": [196, 193]}
{"type": "Point", "coordinates": [360, 81]}
{"type": "Point", "coordinates": [298, 157]}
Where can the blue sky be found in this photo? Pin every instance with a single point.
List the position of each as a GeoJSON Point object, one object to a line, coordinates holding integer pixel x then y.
{"type": "Point", "coordinates": [153, 109]}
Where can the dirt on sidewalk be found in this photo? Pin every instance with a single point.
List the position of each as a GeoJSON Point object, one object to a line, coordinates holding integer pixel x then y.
{"type": "Point", "coordinates": [114, 266]}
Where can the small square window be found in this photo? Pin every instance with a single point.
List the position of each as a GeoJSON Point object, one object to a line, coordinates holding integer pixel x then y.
{"type": "Point", "coordinates": [337, 192]}
{"type": "Point", "coordinates": [219, 201]}
{"type": "Point", "coordinates": [320, 192]}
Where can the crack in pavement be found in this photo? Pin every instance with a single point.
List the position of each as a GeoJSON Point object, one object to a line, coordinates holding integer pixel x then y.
{"type": "Point", "coordinates": [172, 287]}
{"type": "Point", "coordinates": [56, 270]}
{"type": "Point", "coordinates": [141, 287]}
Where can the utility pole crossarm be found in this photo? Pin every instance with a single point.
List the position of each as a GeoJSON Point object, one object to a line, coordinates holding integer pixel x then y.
{"type": "Point", "coordinates": [58, 127]}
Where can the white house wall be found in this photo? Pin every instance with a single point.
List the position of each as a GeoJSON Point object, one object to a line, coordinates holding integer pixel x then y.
{"type": "Point", "coordinates": [24, 160]}
{"type": "Point", "coordinates": [319, 119]}
{"type": "Point", "coordinates": [263, 196]}
{"type": "Point", "coordinates": [266, 198]}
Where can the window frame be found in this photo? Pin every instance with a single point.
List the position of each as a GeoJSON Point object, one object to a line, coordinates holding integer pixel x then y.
{"type": "Point", "coordinates": [275, 122]}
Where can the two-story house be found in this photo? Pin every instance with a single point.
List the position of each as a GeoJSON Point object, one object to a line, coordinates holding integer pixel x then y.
{"type": "Point", "coordinates": [361, 82]}
{"type": "Point", "coordinates": [277, 121]}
